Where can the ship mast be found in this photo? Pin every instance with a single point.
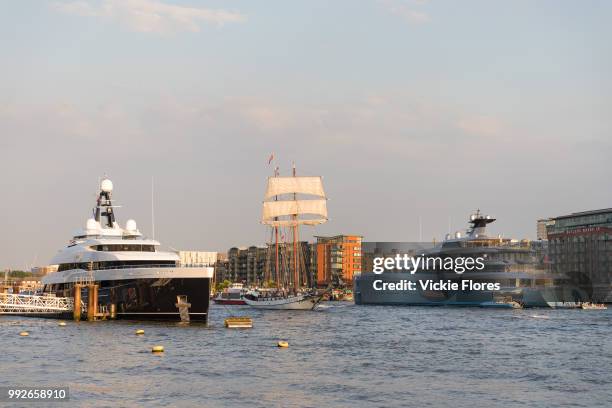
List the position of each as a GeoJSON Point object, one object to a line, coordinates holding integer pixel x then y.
{"type": "Point", "coordinates": [296, 273]}
{"type": "Point", "coordinates": [276, 270]}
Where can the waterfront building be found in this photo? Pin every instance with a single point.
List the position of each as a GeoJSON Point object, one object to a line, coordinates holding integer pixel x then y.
{"type": "Point", "coordinates": [286, 262]}
{"type": "Point", "coordinates": [256, 264]}
{"type": "Point", "coordinates": [253, 265]}
{"type": "Point", "coordinates": [25, 284]}
{"type": "Point", "coordinates": [221, 268]}
{"type": "Point", "coordinates": [30, 285]}
{"type": "Point", "coordinates": [236, 267]}
{"type": "Point", "coordinates": [247, 264]}
{"type": "Point", "coordinates": [44, 270]}
{"type": "Point", "coordinates": [337, 259]}
{"type": "Point", "coordinates": [197, 258]}
{"type": "Point", "coordinates": [541, 229]}
{"type": "Point", "coordinates": [580, 247]}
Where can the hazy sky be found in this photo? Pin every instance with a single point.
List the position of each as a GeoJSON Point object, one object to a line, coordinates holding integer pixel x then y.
{"type": "Point", "coordinates": [407, 108]}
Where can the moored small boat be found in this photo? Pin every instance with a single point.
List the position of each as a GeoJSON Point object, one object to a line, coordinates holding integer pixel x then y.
{"type": "Point", "coordinates": [502, 304]}
{"type": "Point", "coordinates": [234, 295]}
{"type": "Point", "coordinates": [593, 306]}
{"type": "Point", "coordinates": [564, 305]}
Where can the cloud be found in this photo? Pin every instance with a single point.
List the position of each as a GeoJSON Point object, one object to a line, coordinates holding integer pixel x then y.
{"type": "Point", "coordinates": [480, 125]}
{"type": "Point", "coordinates": [407, 10]}
{"type": "Point", "coordinates": [150, 16]}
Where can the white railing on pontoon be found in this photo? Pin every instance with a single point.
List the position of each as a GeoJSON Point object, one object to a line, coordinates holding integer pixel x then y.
{"type": "Point", "coordinates": [19, 304]}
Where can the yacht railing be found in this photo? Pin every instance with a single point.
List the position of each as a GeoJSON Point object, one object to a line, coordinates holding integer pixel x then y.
{"type": "Point", "coordinates": [104, 268]}
{"type": "Point", "coordinates": [495, 243]}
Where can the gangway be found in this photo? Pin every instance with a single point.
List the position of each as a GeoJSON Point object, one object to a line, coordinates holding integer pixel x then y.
{"type": "Point", "coordinates": [35, 304]}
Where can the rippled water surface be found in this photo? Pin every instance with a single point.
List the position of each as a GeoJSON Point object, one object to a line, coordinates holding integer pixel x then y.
{"type": "Point", "coordinates": [340, 355]}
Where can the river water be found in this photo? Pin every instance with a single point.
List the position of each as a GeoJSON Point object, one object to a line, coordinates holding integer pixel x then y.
{"type": "Point", "coordinates": [340, 355]}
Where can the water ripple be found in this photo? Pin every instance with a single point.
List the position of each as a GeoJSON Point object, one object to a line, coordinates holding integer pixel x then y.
{"type": "Point", "coordinates": [340, 355]}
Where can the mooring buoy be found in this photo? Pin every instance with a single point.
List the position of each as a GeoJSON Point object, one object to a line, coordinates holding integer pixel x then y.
{"type": "Point", "coordinates": [24, 333]}
{"type": "Point", "coordinates": [283, 344]}
{"type": "Point", "coordinates": [157, 349]}
{"type": "Point", "coordinates": [139, 332]}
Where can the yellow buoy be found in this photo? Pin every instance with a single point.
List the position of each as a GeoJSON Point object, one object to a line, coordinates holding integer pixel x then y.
{"type": "Point", "coordinates": [61, 324]}
{"type": "Point", "coordinates": [24, 333]}
{"type": "Point", "coordinates": [139, 332]}
{"type": "Point", "coordinates": [157, 349]}
{"type": "Point", "coordinates": [283, 344]}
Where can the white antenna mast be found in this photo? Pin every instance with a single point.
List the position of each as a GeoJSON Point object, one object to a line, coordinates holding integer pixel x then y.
{"type": "Point", "coordinates": [152, 207]}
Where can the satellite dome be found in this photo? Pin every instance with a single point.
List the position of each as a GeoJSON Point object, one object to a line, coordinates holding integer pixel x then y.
{"type": "Point", "coordinates": [130, 225]}
{"type": "Point", "coordinates": [106, 185]}
{"type": "Point", "coordinates": [92, 224]}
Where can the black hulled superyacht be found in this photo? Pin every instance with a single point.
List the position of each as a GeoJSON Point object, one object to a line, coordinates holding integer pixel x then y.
{"type": "Point", "coordinates": [133, 275]}
{"type": "Point", "coordinates": [519, 267]}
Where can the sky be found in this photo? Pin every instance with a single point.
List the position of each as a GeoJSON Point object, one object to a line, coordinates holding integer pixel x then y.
{"type": "Point", "coordinates": [410, 110]}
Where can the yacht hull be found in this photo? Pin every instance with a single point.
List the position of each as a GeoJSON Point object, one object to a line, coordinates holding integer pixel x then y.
{"type": "Point", "coordinates": [152, 300]}
{"type": "Point", "coordinates": [148, 298]}
{"type": "Point", "coordinates": [547, 297]}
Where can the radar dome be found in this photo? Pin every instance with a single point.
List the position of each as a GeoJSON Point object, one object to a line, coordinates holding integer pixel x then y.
{"type": "Point", "coordinates": [92, 224]}
{"type": "Point", "coordinates": [106, 185]}
{"type": "Point", "coordinates": [130, 225]}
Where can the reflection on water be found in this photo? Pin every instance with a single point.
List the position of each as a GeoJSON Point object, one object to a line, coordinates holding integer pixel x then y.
{"type": "Point", "coordinates": [341, 355]}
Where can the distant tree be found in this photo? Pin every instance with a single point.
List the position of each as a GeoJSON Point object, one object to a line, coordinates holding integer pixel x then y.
{"type": "Point", "coordinates": [223, 285]}
{"type": "Point", "coordinates": [20, 274]}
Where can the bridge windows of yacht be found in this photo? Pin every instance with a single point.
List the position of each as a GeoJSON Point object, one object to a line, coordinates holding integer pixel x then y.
{"type": "Point", "coordinates": [124, 248]}
{"type": "Point", "coordinates": [115, 265]}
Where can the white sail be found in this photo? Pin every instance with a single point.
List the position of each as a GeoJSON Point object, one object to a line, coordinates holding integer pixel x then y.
{"type": "Point", "coordinates": [293, 223]}
{"type": "Point", "coordinates": [299, 185]}
{"type": "Point", "coordinates": [275, 209]}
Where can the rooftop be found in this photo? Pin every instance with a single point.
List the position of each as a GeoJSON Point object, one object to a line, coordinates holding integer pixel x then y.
{"type": "Point", "coordinates": [583, 213]}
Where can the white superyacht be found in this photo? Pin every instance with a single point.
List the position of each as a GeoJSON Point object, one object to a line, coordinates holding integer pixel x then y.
{"type": "Point", "coordinates": [133, 275]}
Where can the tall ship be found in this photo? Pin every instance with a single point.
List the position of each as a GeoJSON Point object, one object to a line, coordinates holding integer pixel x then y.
{"type": "Point", "coordinates": [289, 202]}
{"type": "Point", "coordinates": [518, 266]}
{"type": "Point", "coordinates": [134, 277]}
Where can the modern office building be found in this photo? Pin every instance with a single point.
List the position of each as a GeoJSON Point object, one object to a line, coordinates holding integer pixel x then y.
{"type": "Point", "coordinates": [336, 259]}
{"type": "Point", "coordinates": [580, 248]}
